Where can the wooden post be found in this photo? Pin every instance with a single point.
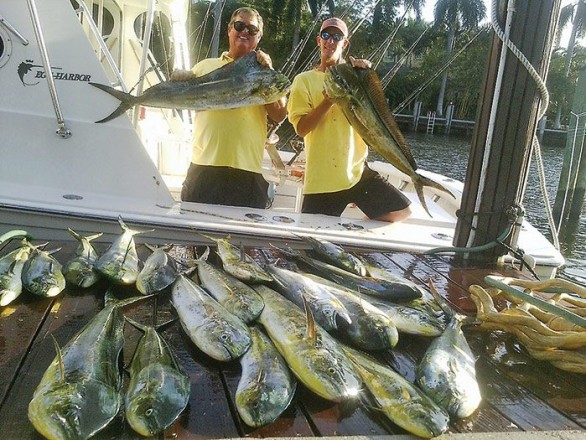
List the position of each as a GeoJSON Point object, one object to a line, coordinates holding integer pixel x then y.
{"type": "Point", "coordinates": [497, 173]}
{"type": "Point", "coordinates": [449, 118]}
{"type": "Point", "coordinates": [569, 199]}
{"type": "Point", "coordinates": [416, 115]}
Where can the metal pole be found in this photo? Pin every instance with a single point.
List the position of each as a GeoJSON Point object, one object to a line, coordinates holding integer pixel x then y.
{"type": "Point", "coordinates": [12, 29]}
{"type": "Point", "coordinates": [62, 131]}
{"type": "Point", "coordinates": [146, 39]}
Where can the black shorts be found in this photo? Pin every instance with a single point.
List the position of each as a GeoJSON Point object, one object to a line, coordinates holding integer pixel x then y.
{"type": "Point", "coordinates": [224, 186]}
{"type": "Point", "coordinates": [373, 194]}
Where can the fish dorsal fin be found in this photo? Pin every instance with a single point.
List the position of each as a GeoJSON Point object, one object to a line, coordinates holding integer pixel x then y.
{"type": "Point", "coordinates": [311, 330]}
{"type": "Point", "coordinates": [446, 308]}
{"type": "Point", "coordinates": [375, 92]}
{"type": "Point", "coordinates": [59, 359]}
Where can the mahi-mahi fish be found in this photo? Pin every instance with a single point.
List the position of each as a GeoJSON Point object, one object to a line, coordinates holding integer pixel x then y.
{"type": "Point", "coordinates": [392, 291]}
{"type": "Point", "coordinates": [213, 329]}
{"type": "Point", "coordinates": [159, 389]}
{"type": "Point", "coordinates": [79, 270]}
{"type": "Point", "coordinates": [239, 264]}
{"type": "Point", "coordinates": [11, 266]}
{"type": "Point", "coordinates": [241, 83]}
{"type": "Point", "coordinates": [361, 97]}
{"type": "Point", "coordinates": [326, 308]}
{"type": "Point", "coordinates": [42, 275]}
{"type": "Point", "coordinates": [235, 296]}
{"type": "Point", "coordinates": [266, 386]}
{"type": "Point", "coordinates": [158, 273]}
{"type": "Point", "coordinates": [399, 399]}
{"type": "Point", "coordinates": [314, 356]}
{"type": "Point", "coordinates": [79, 393]}
{"type": "Point", "coordinates": [119, 264]}
{"type": "Point", "coordinates": [447, 370]}
{"type": "Point", "coordinates": [336, 255]}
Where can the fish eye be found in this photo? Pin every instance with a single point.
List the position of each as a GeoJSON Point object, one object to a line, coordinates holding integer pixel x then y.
{"type": "Point", "coordinates": [224, 337]}
{"type": "Point", "coordinates": [332, 370]}
{"type": "Point", "coordinates": [148, 412]}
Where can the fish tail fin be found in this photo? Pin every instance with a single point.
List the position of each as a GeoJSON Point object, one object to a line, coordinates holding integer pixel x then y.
{"type": "Point", "coordinates": [16, 233]}
{"type": "Point", "coordinates": [136, 325]}
{"type": "Point", "coordinates": [420, 181]}
{"type": "Point", "coordinates": [127, 101]}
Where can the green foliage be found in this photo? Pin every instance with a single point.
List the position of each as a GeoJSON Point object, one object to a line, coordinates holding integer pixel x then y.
{"type": "Point", "coordinates": [560, 87]}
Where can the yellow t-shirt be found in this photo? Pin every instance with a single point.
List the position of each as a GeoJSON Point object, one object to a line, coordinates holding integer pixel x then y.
{"type": "Point", "coordinates": [335, 153]}
{"type": "Point", "coordinates": [229, 137]}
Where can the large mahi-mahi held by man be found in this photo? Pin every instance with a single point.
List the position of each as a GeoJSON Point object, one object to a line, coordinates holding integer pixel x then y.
{"type": "Point", "coordinates": [241, 83]}
{"type": "Point", "coordinates": [360, 95]}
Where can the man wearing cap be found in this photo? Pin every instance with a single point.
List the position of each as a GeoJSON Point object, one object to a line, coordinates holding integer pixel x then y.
{"type": "Point", "coordinates": [336, 172]}
{"type": "Point", "coordinates": [228, 147]}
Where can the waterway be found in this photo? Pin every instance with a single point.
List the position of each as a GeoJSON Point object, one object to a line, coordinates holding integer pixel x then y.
{"type": "Point", "coordinates": [448, 155]}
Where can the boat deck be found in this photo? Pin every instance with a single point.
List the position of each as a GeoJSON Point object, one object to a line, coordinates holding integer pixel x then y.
{"type": "Point", "coordinates": [520, 395]}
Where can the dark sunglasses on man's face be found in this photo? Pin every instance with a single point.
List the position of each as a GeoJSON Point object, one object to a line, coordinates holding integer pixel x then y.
{"type": "Point", "coordinates": [240, 26]}
{"type": "Point", "coordinates": [326, 36]}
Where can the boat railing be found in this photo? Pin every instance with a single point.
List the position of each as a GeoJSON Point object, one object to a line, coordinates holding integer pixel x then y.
{"type": "Point", "coordinates": [103, 46]}
{"type": "Point", "coordinates": [13, 30]}
{"type": "Point", "coordinates": [62, 130]}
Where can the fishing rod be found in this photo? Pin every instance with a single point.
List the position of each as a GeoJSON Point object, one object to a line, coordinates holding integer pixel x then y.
{"type": "Point", "coordinates": [384, 46]}
{"type": "Point", "coordinates": [385, 81]}
{"type": "Point", "coordinates": [314, 56]}
{"type": "Point", "coordinates": [296, 53]}
{"type": "Point", "coordinates": [438, 73]}
{"type": "Point", "coordinates": [201, 32]}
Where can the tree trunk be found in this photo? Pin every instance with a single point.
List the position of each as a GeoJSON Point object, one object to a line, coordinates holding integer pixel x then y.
{"type": "Point", "coordinates": [442, 92]}
{"type": "Point", "coordinates": [569, 54]}
{"type": "Point", "coordinates": [297, 25]}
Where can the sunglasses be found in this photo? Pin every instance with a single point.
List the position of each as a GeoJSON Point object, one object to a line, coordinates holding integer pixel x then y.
{"type": "Point", "coordinates": [239, 26]}
{"type": "Point", "coordinates": [326, 36]}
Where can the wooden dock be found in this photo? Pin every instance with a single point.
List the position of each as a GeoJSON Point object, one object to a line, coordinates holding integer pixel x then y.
{"type": "Point", "coordinates": [520, 395]}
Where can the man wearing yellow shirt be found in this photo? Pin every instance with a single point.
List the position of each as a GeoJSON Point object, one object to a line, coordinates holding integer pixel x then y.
{"type": "Point", "coordinates": [228, 146]}
{"type": "Point", "coordinates": [336, 172]}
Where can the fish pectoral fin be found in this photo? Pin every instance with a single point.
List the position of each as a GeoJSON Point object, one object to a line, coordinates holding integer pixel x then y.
{"type": "Point", "coordinates": [311, 331]}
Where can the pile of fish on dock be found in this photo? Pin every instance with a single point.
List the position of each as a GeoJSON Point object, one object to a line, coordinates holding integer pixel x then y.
{"type": "Point", "coordinates": [282, 324]}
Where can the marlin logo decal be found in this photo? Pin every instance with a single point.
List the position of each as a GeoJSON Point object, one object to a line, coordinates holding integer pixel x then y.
{"type": "Point", "coordinates": [28, 70]}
